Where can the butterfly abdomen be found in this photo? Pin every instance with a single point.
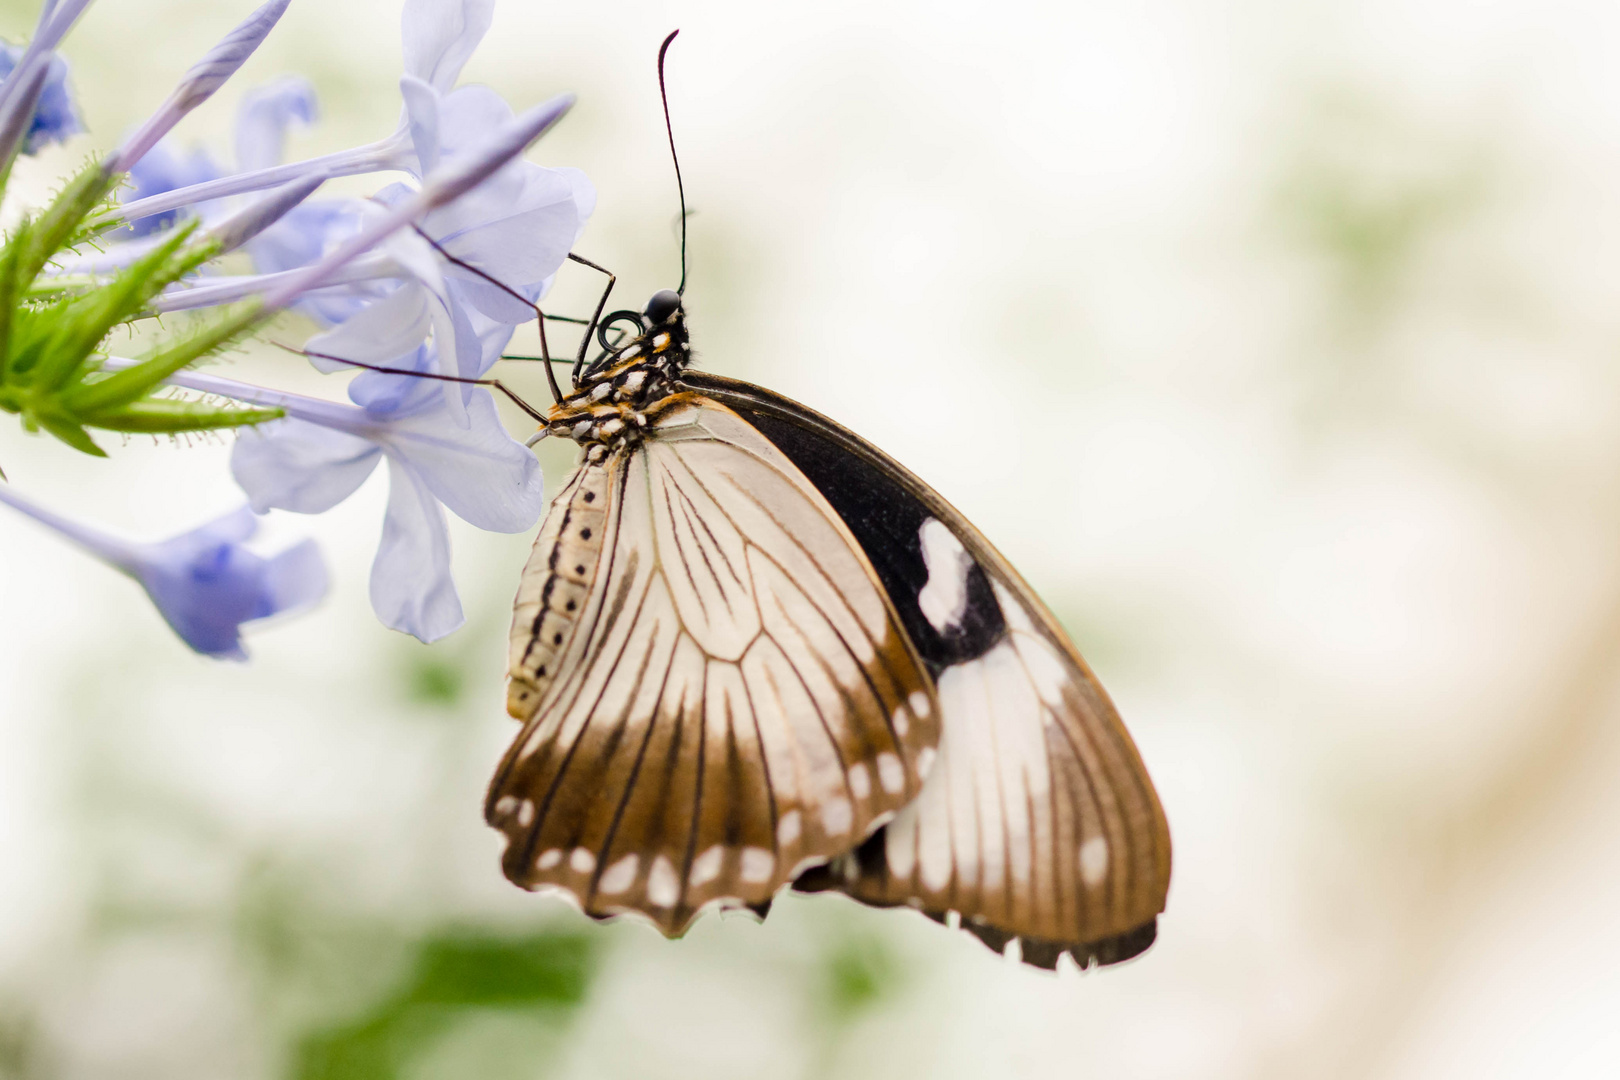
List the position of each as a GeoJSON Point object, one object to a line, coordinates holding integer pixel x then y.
{"type": "Point", "coordinates": [555, 582]}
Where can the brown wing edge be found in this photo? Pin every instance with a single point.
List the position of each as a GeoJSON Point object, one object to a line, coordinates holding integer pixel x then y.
{"type": "Point", "coordinates": [1038, 952]}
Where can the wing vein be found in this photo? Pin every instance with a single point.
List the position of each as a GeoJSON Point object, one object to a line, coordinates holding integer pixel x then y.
{"type": "Point", "coordinates": [826, 728]}
{"type": "Point", "coordinates": [896, 678]}
{"type": "Point", "coordinates": [671, 491]}
{"type": "Point", "coordinates": [689, 510]}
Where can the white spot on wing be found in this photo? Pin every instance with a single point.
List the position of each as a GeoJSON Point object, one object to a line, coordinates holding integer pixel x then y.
{"type": "Point", "coordinates": [902, 721]}
{"type": "Point", "coordinates": [837, 816]}
{"type": "Point", "coordinates": [526, 813]}
{"type": "Point", "coordinates": [504, 806]}
{"type": "Point", "coordinates": [757, 864]}
{"type": "Point", "coordinates": [901, 844]}
{"type": "Point", "coordinates": [891, 774]}
{"type": "Point", "coordinates": [706, 867]}
{"type": "Point", "coordinates": [787, 830]}
{"type": "Point", "coordinates": [944, 599]}
{"type": "Point", "coordinates": [663, 887]}
{"type": "Point", "coordinates": [582, 860]}
{"type": "Point", "coordinates": [548, 858]}
{"type": "Point", "coordinates": [860, 781]}
{"type": "Point", "coordinates": [1093, 861]}
{"type": "Point", "coordinates": [919, 703]}
{"type": "Point", "coordinates": [620, 876]}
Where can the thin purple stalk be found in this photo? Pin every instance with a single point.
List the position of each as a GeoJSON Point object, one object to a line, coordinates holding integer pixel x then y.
{"type": "Point", "coordinates": [54, 23]}
{"type": "Point", "coordinates": [24, 86]}
{"type": "Point", "coordinates": [118, 553]}
{"type": "Point", "coordinates": [360, 159]}
{"type": "Point", "coordinates": [229, 290]}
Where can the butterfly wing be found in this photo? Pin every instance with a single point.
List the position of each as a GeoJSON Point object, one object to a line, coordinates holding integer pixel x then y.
{"type": "Point", "coordinates": [735, 702]}
{"type": "Point", "coordinates": [1039, 820]}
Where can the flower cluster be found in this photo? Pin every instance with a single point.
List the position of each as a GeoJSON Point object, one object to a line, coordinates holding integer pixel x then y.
{"type": "Point", "coordinates": [430, 275]}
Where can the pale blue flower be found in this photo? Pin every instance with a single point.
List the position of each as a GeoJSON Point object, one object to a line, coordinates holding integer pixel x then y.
{"type": "Point", "coordinates": [316, 226]}
{"type": "Point", "coordinates": [205, 582]}
{"type": "Point", "coordinates": [324, 451]}
{"type": "Point", "coordinates": [56, 114]}
{"type": "Point", "coordinates": [516, 227]}
{"type": "Point", "coordinates": [439, 36]}
{"type": "Point", "coordinates": [356, 257]}
{"type": "Point", "coordinates": [467, 273]}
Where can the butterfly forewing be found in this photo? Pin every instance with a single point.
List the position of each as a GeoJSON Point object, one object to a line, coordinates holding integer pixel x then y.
{"type": "Point", "coordinates": [735, 700]}
{"type": "Point", "coordinates": [1038, 821]}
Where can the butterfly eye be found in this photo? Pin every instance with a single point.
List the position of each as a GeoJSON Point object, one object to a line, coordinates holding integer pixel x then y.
{"type": "Point", "coordinates": [664, 303]}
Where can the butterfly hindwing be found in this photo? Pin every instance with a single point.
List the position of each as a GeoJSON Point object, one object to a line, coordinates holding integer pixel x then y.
{"type": "Point", "coordinates": [1038, 820]}
{"type": "Point", "coordinates": [735, 701]}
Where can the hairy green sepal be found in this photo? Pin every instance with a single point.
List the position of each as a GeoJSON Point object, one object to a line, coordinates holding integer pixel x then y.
{"type": "Point", "coordinates": [53, 329]}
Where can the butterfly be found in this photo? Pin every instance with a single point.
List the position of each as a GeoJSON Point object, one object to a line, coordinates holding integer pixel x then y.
{"type": "Point", "coordinates": [750, 650]}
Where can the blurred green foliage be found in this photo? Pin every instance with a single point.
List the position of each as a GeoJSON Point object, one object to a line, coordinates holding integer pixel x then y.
{"type": "Point", "coordinates": [860, 971]}
{"type": "Point", "coordinates": [1368, 187]}
{"type": "Point", "coordinates": [437, 681]}
{"type": "Point", "coordinates": [456, 974]}
{"type": "Point", "coordinates": [19, 1044]}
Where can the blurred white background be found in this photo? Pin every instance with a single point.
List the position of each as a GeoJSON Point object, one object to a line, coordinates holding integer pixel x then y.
{"type": "Point", "coordinates": [1275, 343]}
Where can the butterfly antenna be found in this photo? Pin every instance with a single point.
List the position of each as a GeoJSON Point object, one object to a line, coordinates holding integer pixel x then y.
{"type": "Point", "coordinates": [670, 130]}
{"type": "Point", "coordinates": [539, 316]}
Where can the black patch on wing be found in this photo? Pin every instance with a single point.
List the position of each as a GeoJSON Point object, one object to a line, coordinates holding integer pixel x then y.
{"type": "Point", "coordinates": [885, 519]}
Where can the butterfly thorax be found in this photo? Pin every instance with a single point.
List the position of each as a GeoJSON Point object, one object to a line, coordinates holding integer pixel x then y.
{"type": "Point", "coordinates": [620, 396]}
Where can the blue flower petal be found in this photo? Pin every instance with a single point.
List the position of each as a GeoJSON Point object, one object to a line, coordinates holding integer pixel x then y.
{"type": "Point", "coordinates": [294, 579]}
{"type": "Point", "coordinates": [480, 472]}
{"type": "Point", "coordinates": [264, 116]}
{"type": "Point", "coordinates": [206, 584]}
{"type": "Point", "coordinates": [440, 35]}
{"type": "Point", "coordinates": [411, 587]}
{"type": "Point", "coordinates": [300, 466]}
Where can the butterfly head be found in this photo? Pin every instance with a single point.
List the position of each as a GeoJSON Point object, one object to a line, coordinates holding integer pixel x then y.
{"type": "Point", "coordinates": [619, 396]}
